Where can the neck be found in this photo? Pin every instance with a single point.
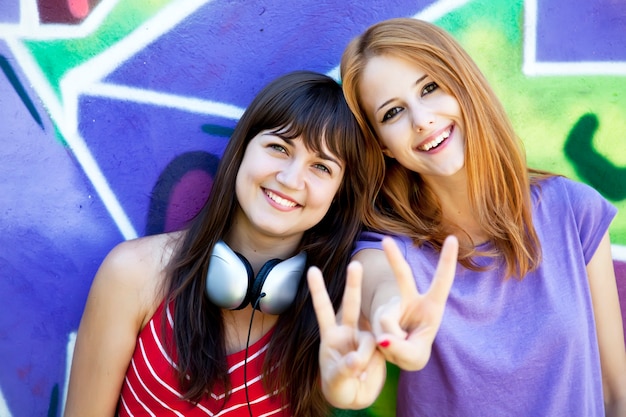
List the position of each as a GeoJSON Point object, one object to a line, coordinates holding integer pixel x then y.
{"type": "Point", "coordinates": [238, 324]}
{"type": "Point", "coordinates": [259, 249]}
{"type": "Point", "coordinates": [456, 206]}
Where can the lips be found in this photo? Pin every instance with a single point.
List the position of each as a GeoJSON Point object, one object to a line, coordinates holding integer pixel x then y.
{"type": "Point", "coordinates": [438, 140]}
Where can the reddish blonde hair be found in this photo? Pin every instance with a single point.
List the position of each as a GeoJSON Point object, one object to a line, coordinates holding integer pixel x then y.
{"type": "Point", "coordinates": [497, 175]}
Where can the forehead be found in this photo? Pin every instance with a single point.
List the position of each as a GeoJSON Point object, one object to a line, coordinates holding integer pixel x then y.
{"type": "Point", "coordinates": [388, 68]}
{"type": "Point", "coordinates": [385, 77]}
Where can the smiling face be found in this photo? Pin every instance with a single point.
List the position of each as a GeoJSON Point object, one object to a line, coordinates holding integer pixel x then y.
{"type": "Point", "coordinates": [417, 123]}
{"type": "Point", "coordinates": [284, 189]}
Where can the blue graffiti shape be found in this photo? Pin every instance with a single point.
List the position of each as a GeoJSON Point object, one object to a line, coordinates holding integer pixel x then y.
{"type": "Point", "coordinates": [216, 130]}
{"type": "Point", "coordinates": [162, 197]}
{"type": "Point", "coordinates": [20, 90]}
{"type": "Point", "coordinates": [54, 401]}
{"type": "Point", "coordinates": [592, 167]}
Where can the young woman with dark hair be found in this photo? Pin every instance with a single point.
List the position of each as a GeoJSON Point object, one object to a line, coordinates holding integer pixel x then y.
{"type": "Point", "coordinates": [215, 319]}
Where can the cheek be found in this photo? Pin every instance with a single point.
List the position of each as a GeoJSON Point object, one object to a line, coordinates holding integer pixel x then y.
{"type": "Point", "coordinates": [390, 141]}
{"type": "Point", "coordinates": [252, 170]}
{"type": "Point", "coordinates": [452, 106]}
{"type": "Point", "coordinates": [245, 178]}
{"type": "Point", "coordinates": [381, 135]}
{"type": "Point", "coordinates": [326, 194]}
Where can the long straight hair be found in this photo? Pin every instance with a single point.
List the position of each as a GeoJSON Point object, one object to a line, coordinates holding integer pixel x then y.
{"type": "Point", "coordinates": [301, 104]}
{"type": "Point", "coordinates": [498, 179]}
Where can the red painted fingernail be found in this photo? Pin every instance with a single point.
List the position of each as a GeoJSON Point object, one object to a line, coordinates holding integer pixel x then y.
{"type": "Point", "coordinates": [384, 343]}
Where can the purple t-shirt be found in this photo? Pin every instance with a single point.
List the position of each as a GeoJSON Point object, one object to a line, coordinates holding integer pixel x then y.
{"type": "Point", "coordinates": [511, 347]}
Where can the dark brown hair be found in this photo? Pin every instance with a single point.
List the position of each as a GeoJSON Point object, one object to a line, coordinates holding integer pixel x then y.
{"type": "Point", "coordinates": [300, 104]}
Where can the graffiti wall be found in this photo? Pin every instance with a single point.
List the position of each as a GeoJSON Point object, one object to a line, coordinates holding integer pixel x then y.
{"type": "Point", "coordinates": [114, 113]}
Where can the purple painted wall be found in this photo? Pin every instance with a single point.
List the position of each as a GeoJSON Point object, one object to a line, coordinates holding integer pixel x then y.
{"type": "Point", "coordinates": [113, 115]}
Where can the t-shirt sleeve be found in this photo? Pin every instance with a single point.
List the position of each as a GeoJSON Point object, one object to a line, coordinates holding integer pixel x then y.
{"type": "Point", "coordinates": [368, 240]}
{"type": "Point", "coordinates": [373, 240]}
{"type": "Point", "coordinates": [593, 215]}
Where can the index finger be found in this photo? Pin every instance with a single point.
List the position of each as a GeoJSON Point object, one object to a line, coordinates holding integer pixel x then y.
{"type": "Point", "coordinates": [351, 302]}
{"type": "Point", "coordinates": [400, 267]}
{"type": "Point", "coordinates": [446, 267]}
{"type": "Point", "coordinates": [324, 310]}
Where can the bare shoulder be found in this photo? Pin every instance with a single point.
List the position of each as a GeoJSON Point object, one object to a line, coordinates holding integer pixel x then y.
{"type": "Point", "coordinates": [136, 268]}
{"type": "Point", "coordinates": [144, 253]}
{"type": "Point", "coordinates": [371, 258]}
{"type": "Point", "coordinates": [124, 295]}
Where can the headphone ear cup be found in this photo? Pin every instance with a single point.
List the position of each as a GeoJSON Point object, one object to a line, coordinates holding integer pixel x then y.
{"type": "Point", "coordinates": [229, 278]}
{"type": "Point", "coordinates": [279, 280]}
{"type": "Point", "coordinates": [231, 284]}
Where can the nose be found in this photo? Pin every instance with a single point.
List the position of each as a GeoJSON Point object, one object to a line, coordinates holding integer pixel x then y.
{"type": "Point", "coordinates": [422, 118]}
{"type": "Point", "coordinates": [292, 175]}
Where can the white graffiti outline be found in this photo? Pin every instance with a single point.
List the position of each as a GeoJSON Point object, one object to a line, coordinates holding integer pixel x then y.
{"type": "Point", "coordinates": [69, 355]}
{"type": "Point", "coordinates": [185, 103]}
{"type": "Point", "coordinates": [532, 67]}
{"type": "Point", "coordinates": [4, 408]}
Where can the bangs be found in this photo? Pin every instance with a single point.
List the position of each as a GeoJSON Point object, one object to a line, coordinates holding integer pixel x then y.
{"type": "Point", "coordinates": [308, 106]}
{"type": "Point", "coordinates": [322, 126]}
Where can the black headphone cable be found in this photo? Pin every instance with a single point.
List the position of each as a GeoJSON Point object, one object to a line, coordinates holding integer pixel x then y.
{"type": "Point", "coordinates": [245, 359]}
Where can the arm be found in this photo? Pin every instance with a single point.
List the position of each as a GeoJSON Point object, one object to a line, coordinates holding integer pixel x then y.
{"type": "Point", "coordinates": [609, 327]}
{"type": "Point", "coordinates": [113, 316]}
{"type": "Point", "coordinates": [352, 370]}
{"type": "Point", "coordinates": [404, 321]}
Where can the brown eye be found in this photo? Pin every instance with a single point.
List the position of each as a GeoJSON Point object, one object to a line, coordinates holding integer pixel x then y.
{"type": "Point", "coordinates": [429, 88]}
{"type": "Point", "coordinates": [391, 113]}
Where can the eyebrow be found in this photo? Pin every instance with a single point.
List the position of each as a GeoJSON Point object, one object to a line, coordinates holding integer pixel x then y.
{"type": "Point", "coordinates": [319, 154]}
{"type": "Point", "coordinates": [419, 80]}
{"type": "Point", "coordinates": [329, 158]}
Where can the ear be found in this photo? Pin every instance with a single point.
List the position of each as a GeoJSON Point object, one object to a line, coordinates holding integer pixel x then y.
{"type": "Point", "coordinates": [388, 153]}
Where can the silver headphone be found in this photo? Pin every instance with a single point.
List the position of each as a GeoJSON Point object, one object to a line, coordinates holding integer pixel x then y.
{"type": "Point", "coordinates": [231, 284]}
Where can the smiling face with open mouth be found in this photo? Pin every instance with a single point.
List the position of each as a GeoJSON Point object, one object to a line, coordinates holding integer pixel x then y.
{"type": "Point", "coordinates": [417, 123]}
{"type": "Point", "coordinates": [283, 188]}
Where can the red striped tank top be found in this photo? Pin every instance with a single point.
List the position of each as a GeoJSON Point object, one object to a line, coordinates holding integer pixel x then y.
{"type": "Point", "coordinates": [151, 388]}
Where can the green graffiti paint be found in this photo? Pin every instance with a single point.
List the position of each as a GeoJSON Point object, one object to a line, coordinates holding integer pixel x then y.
{"type": "Point", "coordinates": [56, 57]}
{"type": "Point", "coordinates": [591, 166]}
{"type": "Point", "coordinates": [546, 110]}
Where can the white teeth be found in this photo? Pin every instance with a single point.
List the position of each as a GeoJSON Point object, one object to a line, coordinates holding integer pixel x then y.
{"type": "Point", "coordinates": [436, 141]}
{"type": "Point", "coordinates": [282, 201]}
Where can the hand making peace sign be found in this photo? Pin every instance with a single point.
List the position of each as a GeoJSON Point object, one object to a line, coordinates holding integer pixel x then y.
{"type": "Point", "coordinates": [404, 321]}
{"type": "Point", "coordinates": [353, 371]}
